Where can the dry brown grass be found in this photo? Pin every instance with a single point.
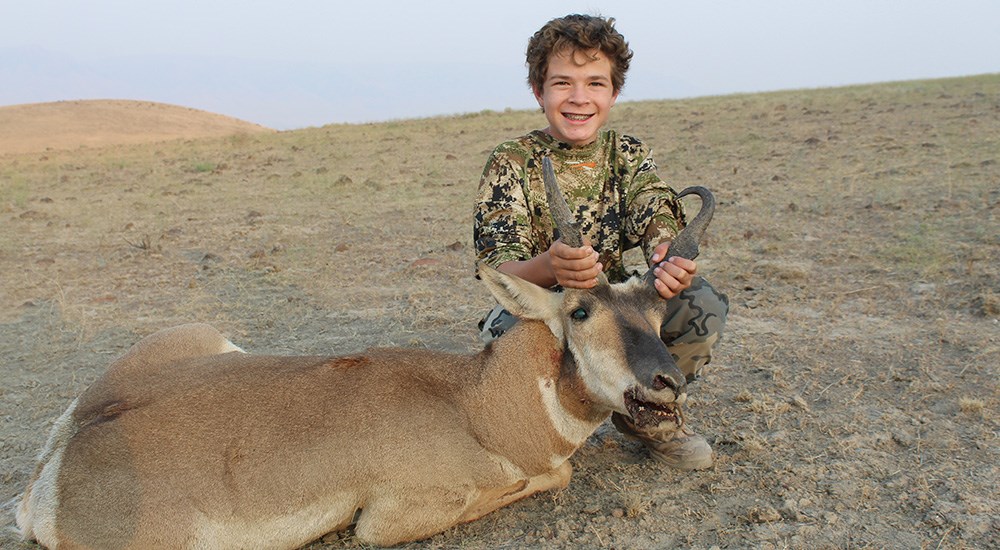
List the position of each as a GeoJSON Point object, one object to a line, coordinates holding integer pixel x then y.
{"type": "Point", "coordinates": [850, 402]}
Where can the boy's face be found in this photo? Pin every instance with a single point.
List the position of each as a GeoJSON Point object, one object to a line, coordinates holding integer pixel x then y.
{"type": "Point", "coordinates": [577, 95]}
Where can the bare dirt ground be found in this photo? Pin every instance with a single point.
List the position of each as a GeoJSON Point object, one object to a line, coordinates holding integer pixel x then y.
{"type": "Point", "coordinates": [852, 404]}
{"type": "Point", "coordinates": [65, 125]}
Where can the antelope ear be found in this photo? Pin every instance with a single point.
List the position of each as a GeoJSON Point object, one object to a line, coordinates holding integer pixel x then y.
{"type": "Point", "coordinates": [521, 298]}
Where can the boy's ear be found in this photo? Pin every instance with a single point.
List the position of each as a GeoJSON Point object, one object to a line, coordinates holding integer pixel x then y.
{"type": "Point", "coordinates": [538, 95]}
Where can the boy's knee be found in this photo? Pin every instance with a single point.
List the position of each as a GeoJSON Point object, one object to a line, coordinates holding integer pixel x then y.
{"type": "Point", "coordinates": [714, 303]}
{"type": "Point", "coordinates": [699, 314]}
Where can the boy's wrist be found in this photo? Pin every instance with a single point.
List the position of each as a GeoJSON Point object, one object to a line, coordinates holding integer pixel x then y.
{"type": "Point", "coordinates": [550, 271]}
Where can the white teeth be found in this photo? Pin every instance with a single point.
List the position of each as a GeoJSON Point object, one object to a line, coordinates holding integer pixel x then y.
{"type": "Point", "coordinates": [577, 117]}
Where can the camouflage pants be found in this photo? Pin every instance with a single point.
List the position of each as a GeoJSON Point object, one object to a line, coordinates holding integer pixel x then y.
{"type": "Point", "coordinates": [695, 320]}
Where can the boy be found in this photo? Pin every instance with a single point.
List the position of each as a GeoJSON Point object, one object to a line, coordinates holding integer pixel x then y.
{"type": "Point", "coordinates": [576, 69]}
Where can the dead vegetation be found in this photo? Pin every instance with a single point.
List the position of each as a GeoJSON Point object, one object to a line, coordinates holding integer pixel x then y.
{"type": "Point", "coordinates": [852, 403]}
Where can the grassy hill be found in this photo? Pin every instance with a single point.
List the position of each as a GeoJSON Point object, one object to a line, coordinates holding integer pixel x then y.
{"type": "Point", "coordinates": [853, 401]}
{"type": "Point", "coordinates": [40, 127]}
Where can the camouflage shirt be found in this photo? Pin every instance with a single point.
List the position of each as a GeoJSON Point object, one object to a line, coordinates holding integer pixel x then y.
{"type": "Point", "coordinates": [610, 185]}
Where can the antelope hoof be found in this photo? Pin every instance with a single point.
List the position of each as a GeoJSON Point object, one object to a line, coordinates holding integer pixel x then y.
{"type": "Point", "coordinates": [650, 414]}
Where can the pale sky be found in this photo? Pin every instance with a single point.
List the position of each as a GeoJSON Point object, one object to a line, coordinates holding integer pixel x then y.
{"type": "Point", "coordinates": [298, 63]}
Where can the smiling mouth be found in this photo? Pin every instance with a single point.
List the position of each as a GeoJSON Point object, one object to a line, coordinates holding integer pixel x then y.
{"type": "Point", "coordinates": [576, 117]}
{"type": "Point", "coordinates": [647, 414]}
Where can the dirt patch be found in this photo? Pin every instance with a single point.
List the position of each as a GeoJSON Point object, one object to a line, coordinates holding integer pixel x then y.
{"type": "Point", "coordinates": [853, 402]}
{"type": "Point", "coordinates": [61, 125]}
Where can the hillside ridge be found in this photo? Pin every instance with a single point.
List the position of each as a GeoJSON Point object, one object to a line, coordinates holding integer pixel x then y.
{"type": "Point", "coordinates": [71, 124]}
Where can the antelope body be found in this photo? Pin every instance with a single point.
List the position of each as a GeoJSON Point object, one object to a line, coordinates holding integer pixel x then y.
{"type": "Point", "coordinates": [188, 442]}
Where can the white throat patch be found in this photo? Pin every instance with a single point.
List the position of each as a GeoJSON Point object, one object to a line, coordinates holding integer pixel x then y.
{"type": "Point", "coordinates": [600, 371]}
{"type": "Point", "coordinates": [572, 429]}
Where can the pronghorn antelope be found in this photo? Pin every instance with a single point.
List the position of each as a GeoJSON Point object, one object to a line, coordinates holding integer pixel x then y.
{"type": "Point", "coordinates": [188, 442]}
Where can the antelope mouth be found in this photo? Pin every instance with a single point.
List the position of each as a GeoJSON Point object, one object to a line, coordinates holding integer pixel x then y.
{"type": "Point", "coordinates": [649, 414]}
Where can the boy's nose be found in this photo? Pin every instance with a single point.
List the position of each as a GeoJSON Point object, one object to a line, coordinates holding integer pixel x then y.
{"type": "Point", "coordinates": [579, 95]}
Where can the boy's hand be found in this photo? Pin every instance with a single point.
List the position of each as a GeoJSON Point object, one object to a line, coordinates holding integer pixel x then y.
{"type": "Point", "coordinates": [673, 275]}
{"type": "Point", "coordinates": [574, 267]}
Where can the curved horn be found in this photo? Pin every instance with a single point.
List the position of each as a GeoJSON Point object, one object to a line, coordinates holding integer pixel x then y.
{"type": "Point", "coordinates": [566, 224]}
{"type": "Point", "coordinates": [685, 244]}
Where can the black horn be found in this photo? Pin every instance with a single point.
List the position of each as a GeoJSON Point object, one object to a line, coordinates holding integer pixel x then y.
{"type": "Point", "coordinates": [685, 244]}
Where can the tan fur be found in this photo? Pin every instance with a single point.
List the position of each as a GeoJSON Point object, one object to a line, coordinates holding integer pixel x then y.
{"type": "Point", "coordinates": [186, 442]}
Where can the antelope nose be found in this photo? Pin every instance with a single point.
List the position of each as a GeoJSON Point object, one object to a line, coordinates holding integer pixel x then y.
{"type": "Point", "coordinates": [671, 381]}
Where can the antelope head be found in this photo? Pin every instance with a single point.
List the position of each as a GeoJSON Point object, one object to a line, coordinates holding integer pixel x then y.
{"type": "Point", "coordinates": [611, 331]}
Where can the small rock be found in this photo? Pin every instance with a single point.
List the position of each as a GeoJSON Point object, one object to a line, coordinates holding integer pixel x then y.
{"type": "Point", "coordinates": [764, 515]}
{"type": "Point", "coordinates": [923, 288]}
{"type": "Point", "coordinates": [902, 439]}
{"type": "Point", "coordinates": [790, 508]}
{"type": "Point", "coordinates": [618, 513]}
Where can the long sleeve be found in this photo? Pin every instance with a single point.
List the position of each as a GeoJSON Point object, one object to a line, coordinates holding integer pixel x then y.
{"type": "Point", "coordinates": [501, 226]}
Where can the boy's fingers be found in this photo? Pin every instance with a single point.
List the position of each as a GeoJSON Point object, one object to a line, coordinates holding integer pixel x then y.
{"type": "Point", "coordinates": [586, 274]}
{"type": "Point", "coordinates": [687, 265]}
{"type": "Point", "coordinates": [579, 278]}
{"type": "Point", "coordinates": [659, 252]}
{"type": "Point", "coordinates": [563, 250]}
{"type": "Point", "coordinates": [579, 283]}
{"type": "Point", "coordinates": [669, 273]}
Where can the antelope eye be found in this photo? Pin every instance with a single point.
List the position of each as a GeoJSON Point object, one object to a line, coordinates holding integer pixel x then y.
{"type": "Point", "coordinates": [579, 314]}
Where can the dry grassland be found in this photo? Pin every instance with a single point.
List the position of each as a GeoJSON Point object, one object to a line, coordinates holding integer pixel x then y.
{"type": "Point", "coordinates": [853, 402]}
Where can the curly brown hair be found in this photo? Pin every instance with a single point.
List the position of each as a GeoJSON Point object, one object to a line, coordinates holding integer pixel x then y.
{"type": "Point", "coordinates": [582, 33]}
